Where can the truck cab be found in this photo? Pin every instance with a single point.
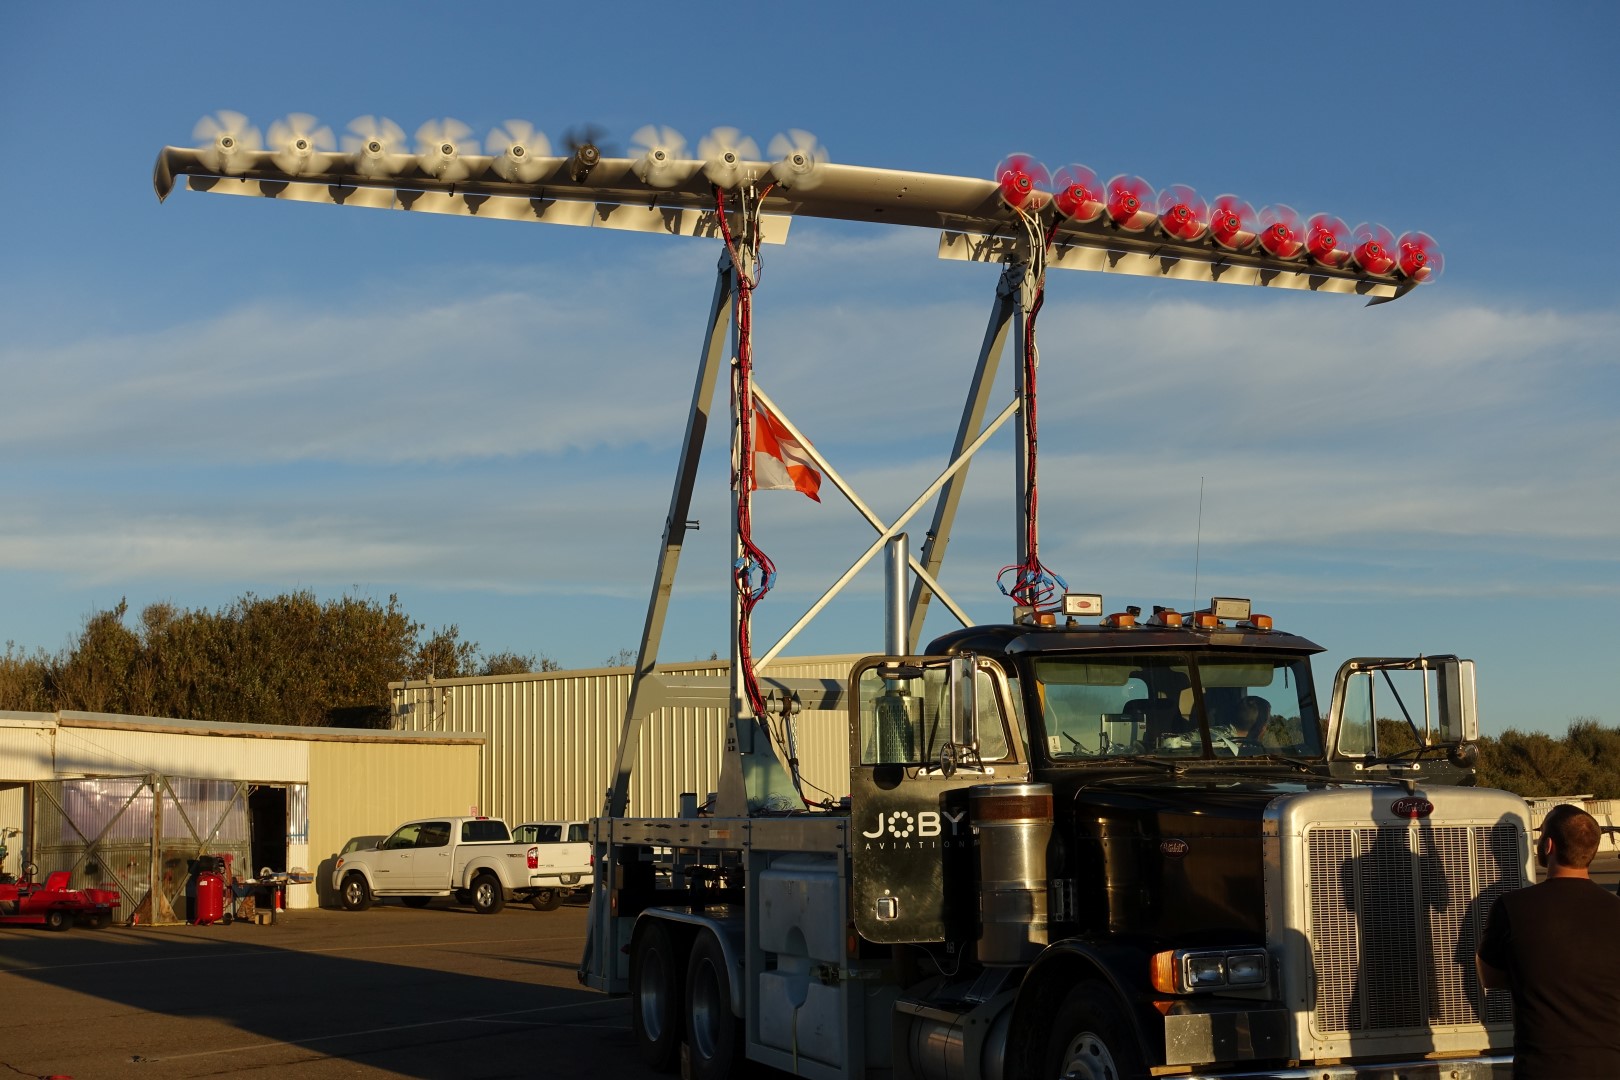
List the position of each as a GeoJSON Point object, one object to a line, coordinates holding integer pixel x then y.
{"type": "Point", "coordinates": [1181, 854]}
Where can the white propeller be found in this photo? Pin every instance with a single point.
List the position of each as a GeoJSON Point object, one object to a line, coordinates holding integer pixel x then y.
{"type": "Point", "coordinates": [378, 145]}
{"type": "Point", "coordinates": [439, 146]}
{"type": "Point", "coordinates": [723, 151]}
{"type": "Point", "coordinates": [519, 151]}
{"type": "Point", "coordinates": [295, 140]}
{"type": "Point", "coordinates": [659, 154]}
{"type": "Point", "coordinates": [228, 137]}
{"type": "Point", "coordinates": [797, 155]}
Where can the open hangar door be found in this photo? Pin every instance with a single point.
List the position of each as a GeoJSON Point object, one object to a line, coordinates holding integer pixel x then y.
{"type": "Point", "coordinates": [140, 834]}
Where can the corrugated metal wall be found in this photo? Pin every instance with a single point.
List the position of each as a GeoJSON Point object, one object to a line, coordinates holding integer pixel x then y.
{"type": "Point", "coordinates": [27, 742]}
{"type": "Point", "coordinates": [367, 788]}
{"type": "Point", "coordinates": [553, 738]}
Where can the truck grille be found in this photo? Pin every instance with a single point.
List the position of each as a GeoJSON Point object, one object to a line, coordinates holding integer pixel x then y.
{"type": "Point", "coordinates": [1384, 899]}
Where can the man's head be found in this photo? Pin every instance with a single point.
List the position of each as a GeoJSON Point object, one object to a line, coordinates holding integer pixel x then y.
{"type": "Point", "coordinates": [1569, 835]}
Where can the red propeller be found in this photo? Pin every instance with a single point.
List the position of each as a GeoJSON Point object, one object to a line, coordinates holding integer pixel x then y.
{"type": "Point", "coordinates": [1022, 180]}
{"type": "Point", "coordinates": [1076, 193]}
{"type": "Point", "coordinates": [1232, 223]}
{"type": "Point", "coordinates": [1373, 249]}
{"type": "Point", "coordinates": [1182, 214]}
{"type": "Point", "coordinates": [1420, 256]}
{"type": "Point", "coordinates": [1280, 231]}
{"type": "Point", "coordinates": [1130, 202]}
{"type": "Point", "coordinates": [1327, 240]}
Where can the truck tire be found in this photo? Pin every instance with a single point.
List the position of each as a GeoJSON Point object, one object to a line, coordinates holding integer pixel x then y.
{"type": "Point", "coordinates": [355, 895]}
{"type": "Point", "coordinates": [57, 919]}
{"type": "Point", "coordinates": [487, 896]}
{"type": "Point", "coordinates": [546, 899]}
{"type": "Point", "coordinates": [656, 990]}
{"type": "Point", "coordinates": [713, 1032]}
{"type": "Point", "coordinates": [1091, 1039]}
{"type": "Point", "coordinates": [415, 901]}
{"type": "Point", "coordinates": [463, 896]}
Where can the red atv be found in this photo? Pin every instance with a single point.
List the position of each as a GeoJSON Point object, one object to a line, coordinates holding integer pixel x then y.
{"type": "Point", "coordinates": [52, 904]}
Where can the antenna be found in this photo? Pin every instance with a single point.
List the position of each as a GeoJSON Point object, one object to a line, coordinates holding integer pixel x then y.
{"type": "Point", "coordinates": [1198, 543]}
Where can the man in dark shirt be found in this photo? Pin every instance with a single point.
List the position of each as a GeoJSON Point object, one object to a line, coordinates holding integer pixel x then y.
{"type": "Point", "coordinates": [1557, 946]}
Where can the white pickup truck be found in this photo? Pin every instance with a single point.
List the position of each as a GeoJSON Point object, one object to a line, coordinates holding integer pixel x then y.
{"type": "Point", "coordinates": [564, 858]}
{"type": "Point", "coordinates": [473, 859]}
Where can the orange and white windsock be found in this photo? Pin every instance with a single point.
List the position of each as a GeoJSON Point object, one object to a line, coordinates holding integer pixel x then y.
{"type": "Point", "coordinates": [781, 462]}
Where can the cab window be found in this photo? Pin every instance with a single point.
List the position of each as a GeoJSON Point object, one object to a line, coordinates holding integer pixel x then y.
{"type": "Point", "coordinates": [433, 834]}
{"type": "Point", "coordinates": [404, 837]}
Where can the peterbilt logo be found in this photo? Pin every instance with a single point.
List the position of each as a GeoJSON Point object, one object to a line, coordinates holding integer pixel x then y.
{"type": "Point", "coordinates": [1174, 849]}
{"type": "Point", "coordinates": [1411, 807]}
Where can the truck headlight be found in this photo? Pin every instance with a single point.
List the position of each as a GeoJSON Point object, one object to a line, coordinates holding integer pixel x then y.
{"type": "Point", "coordinates": [1192, 971]}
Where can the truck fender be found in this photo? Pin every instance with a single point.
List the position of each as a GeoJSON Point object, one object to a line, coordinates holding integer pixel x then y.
{"type": "Point", "coordinates": [1063, 964]}
{"type": "Point", "coordinates": [478, 866]}
{"type": "Point", "coordinates": [730, 934]}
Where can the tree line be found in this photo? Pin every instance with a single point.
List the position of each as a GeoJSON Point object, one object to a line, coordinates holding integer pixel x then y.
{"type": "Point", "coordinates": [295, 659]}
{"type": "Point", "coordinates": [287, 659]}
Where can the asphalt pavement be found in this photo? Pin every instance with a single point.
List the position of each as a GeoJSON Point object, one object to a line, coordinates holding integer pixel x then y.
{"type": "Point", "coordinates": [439, 992]}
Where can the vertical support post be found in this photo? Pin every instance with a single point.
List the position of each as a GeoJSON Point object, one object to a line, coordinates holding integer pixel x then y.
{"type": "Point", "coordinates": [675, 527]}
{"type": "Point", "coordinates": [1008, 296]}
{"type": "Point", "coordinates": [896, 637]}
{"type": "Point", "coordinates": [1020, 316]}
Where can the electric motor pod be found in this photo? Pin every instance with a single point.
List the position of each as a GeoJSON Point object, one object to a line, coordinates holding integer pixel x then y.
{"type": "Point", "coordinates": [1014, 824]}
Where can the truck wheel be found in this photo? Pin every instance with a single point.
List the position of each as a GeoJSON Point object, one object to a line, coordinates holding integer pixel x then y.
{"type": "Point", "coordinates": [713, 1031]}
{"type": "Point", "coordinates": [655, 996]}
{"type": "Point", "coordinates": [354, 895]}
{"type": "Point", "coordinates": [415, 901]}
{"type": "Point", "coordinates": [1091, 1039]}
{"type": "Point", "coordinates": [487, 897]}
{"type": "Point", "coordinates": [57, 919]}
{"type": "Point", "coordinates": [103, 919]}
{"type": "Point", "coordinates": [546, 899]}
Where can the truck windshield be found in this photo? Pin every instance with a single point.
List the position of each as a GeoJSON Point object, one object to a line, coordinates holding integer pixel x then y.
{"type": "Point", "coordinates": [1177, 705]}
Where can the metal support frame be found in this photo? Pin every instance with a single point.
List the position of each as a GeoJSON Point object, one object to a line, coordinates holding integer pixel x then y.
{"type": "Point", "coordinates": [1008, 296]}
{"type": "Point", "coordinates": [675, 526]}
{"type": "Point", "coordinates": [750, 771]}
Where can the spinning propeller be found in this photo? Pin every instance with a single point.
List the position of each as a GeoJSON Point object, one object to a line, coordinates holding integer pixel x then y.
{"type": "Point", "coordinates": [797, 155]}
{"type": "Point", "coordinates": [1130, 202]}
{"type": "Point", "coordinates": [228, 135]}
{"type": "Point", "coordinates": [656, 151]}
{"type": "Point", "coordinates": [439, 145]}
{"type": "Point", "coordinates": [1324, 236]}
{"type": "Point", "coordinates": [1182, 214]}
{"type": "Point", "coordinates": [1021, 179]}
{"type": "Point", "coordinates": [723, 151]}
{"type": "Point", "coordinates": [1420, 256]}
{"type": "Point", "coordinates": [1373, 249]}
{"type": "Point", "coordinates": [377, 144]}
{"type": "Point", "coordinates": [519, 151]}
{"type": "Point", "coordinates": [1280, 231]}
{"type": "Point", "coordinates": [1232, 223]}
{"type": "Point", "coordinates": [295, 142]}
{"type": "Point", "coordinates": [1076, 194]}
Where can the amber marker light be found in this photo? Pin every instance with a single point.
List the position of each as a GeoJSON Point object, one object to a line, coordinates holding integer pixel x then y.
{"type": "Point", "coordinates": [1163, 971]}
{"type": "Point", "coordinates": [1120, 620]}
{"type": "Point", "coordinates": [1205, 620]}
{"type": "Point", "coordinates": [1260, 622]}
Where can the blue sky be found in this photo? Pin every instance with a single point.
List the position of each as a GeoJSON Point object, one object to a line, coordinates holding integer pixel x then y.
{"type": "Point", "coordinates": [221, 395]}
